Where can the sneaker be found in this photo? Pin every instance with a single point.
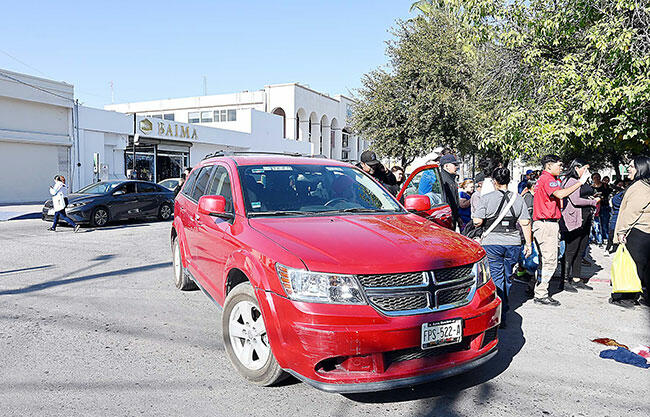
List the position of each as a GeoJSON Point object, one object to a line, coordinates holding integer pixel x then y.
{"type": "Point", "coordinates": [582, 286]}
{"type": "Point", "coordinates": [621, 303]}
{"type": "Point", "coordinates": [76, 228]}
{"type": "Point", "coordinates": [548, 301]}
{"type": "Point", "coordinates": [51, 229]}
{"type": "Point", "coordinates": [568, 287]}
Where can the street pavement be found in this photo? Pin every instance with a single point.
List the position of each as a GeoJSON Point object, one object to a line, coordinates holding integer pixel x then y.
{"type": "Point", "coordinates": [92, 325]}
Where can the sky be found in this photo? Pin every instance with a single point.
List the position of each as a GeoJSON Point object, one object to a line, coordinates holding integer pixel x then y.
{"type": "Point", "coordinates": [164, 49]}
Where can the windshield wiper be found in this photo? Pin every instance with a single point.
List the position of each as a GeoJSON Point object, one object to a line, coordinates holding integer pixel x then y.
{"type": "Point", "coordinates": [358, 210]}
{"type": "Point", "coordinates": [281, 213]}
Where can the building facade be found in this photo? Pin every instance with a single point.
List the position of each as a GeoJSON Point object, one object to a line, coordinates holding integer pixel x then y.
{"type": "Point", "coordinates": [307, 115]}
{"type": "Point", "coordinates": [44, 132]}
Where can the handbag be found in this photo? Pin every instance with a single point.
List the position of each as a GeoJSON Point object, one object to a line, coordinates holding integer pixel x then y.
{"type": "Point", "coordinates": [58, 201]}
{"type": "Point", "coordinates": [479, 233]}
{"type": "Point", "coordinates": [625, 278]}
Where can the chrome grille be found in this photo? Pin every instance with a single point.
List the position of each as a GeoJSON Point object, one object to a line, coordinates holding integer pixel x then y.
{"type": "Point", "coordinates": [392, 280]}
{"type": "Point", "coordinates": [452, 274]}
{"type": "Point", "coordinates": [452, 295]}
{"type": "Point", "coordinates": [401, 302]}
{"type": "Point", "coordinates": [419, 292]}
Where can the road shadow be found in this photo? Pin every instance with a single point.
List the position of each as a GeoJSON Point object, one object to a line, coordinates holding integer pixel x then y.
{"type": "Point", "coordinates": [440, 397]}
{"type": "Point", "coordinates": [28, 269]}
{"type": "Point", "coordinates": [55, 283]}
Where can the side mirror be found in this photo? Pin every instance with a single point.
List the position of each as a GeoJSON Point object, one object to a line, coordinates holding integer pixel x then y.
{"type": "Point", "coordinates": [417, 203]}
{"type": "Point", "coordinates": [212, 205]}
{"type": "Point", "coordinates": [119, 192]}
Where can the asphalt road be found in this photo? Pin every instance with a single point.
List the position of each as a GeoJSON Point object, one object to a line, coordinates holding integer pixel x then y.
{"type": "Point", "coordinates": [92, 325]}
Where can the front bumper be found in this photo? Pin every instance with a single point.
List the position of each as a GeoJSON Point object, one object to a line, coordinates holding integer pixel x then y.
{"type": "Point", "coordinates": [340, 348]}
{"type": "Point", "coordinates": [79, 215]}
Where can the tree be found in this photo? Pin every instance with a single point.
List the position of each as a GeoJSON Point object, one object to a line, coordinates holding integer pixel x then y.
{"type": "Point", "coordinates": [423, 99]}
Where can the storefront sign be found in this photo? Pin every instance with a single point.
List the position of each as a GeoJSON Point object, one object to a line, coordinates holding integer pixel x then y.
{"type": "Point", "coordinates": [165, 129]}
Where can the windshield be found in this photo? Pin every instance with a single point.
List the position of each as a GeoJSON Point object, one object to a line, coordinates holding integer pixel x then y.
{"type": "Point", "coordinates": [311, 189]}
{"type": "Point", "coordinates": [98, 188]}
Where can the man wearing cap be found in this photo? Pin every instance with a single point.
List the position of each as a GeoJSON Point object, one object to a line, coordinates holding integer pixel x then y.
{"type": "Point", "coordinates": [546, 229]}
{"type": "Point", "coordinates": [522, 184]}
{"type": "Point", "coordinates": [370, 164]}
{"type": "Point", "coordinates": [449, 165]}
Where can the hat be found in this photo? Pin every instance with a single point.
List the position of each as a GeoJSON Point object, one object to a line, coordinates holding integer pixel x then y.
{"type": "Point", "coordinates": [448, 159]}
{"type": "Point", "coordinates": [369, 157]}
{"type": "Point", "coordinates": [528, 172]}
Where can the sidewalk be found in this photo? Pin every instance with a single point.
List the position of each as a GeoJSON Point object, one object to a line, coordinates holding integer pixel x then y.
{"type": "Point", "coordinates": [20, 211]}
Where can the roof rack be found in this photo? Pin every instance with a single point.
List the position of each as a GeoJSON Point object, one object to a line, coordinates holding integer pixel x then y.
{"type": "Point", "coordinates": [233, 153]}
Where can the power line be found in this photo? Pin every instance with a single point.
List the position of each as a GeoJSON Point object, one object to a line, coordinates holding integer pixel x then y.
{"type": "Point", "coordinates": [21, 62]}
{"type": "Point", "coordinates": [34, 86]}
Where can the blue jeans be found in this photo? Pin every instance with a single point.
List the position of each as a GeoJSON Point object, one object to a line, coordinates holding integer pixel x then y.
{"type": "Point", "coordinates": [502, 259]}
{"type": "Point", "coordinates": [604, 216]}
{"type": "Point", "coordinates": [596, 231]}
{"type": "Point", "coordinates": [61, 215]}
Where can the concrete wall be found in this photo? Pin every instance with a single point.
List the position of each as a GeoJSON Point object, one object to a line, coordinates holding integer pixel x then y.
{"type": "Point", "coordinates": [35, 136]}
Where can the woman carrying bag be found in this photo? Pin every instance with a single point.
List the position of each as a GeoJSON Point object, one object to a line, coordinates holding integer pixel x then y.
{"type": "Point", "coordinates": [575, 226]}
{"type": "Point", "coordinates": [59, 192]}
{"type": "Point", "coordinates": [633, 229]}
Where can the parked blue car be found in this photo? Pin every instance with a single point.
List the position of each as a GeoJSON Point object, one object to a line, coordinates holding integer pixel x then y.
{"type": "Point", "coordinates": [102, 202]}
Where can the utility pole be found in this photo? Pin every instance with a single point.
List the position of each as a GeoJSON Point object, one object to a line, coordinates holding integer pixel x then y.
{"type": "Point", "coordinates": [205, 85]}
{"type": "Point", "coordinates": [112, 93]}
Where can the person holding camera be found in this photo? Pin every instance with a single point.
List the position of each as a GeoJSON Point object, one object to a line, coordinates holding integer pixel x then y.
{"type": "Point", "coordinates": [59, 192]}
{"type": "Point", "coordinates": [371, 165]}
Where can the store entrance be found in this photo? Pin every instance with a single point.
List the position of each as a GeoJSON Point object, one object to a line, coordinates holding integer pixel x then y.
{"type": "Point", "coordinates": [154, 164]}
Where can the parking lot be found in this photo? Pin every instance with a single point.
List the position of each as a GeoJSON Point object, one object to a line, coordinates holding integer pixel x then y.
{"type": "Point", "coordinates": [91, 324]}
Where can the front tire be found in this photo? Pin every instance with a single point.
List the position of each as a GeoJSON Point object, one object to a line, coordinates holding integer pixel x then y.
{"type": "Point", "coordinates": [165, 212]}
{"type": "Point", "coordinates": [181, 280]}
{"type": "Point", "coordinates": [99, 217]}
{"type": "Point", "coordinates": [246, 340]}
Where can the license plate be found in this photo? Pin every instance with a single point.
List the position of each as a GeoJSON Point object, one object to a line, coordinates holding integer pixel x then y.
{"type": "Point", "coordinates": [439, 333]}
{"type": "Point", "coordinates": [50, 212]}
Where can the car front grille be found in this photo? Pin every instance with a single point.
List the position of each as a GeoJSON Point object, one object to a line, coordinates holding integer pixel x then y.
{"type": "Point", "coordinates": [401, 302]}
{"type": "Point", "coordinates": [419, 292]}
{"type": "Point", "coordinates": [392, 280]}
{"type": "Point", "coordinates": [417, 353]}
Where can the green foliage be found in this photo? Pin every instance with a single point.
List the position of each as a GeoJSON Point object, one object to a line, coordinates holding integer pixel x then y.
{"type": "Point", "coordinates": [522, 78]}
{"type": "Point", "coordinates": [424, 98]}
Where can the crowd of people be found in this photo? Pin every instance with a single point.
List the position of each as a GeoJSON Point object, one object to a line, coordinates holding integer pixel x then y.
{"type": "Point", "coordinates": [555, 207]}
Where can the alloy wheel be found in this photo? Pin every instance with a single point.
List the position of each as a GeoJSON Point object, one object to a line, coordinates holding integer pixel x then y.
{"type": "Point", "coordinates": [165, 212]}
{"type": "Point", "coordinates": [248, 336]}
{"type": "Point", "coordinates": [101, 217]}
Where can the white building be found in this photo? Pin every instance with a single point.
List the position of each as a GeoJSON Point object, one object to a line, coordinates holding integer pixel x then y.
{"type": "Point", "coordinates": [307, 115]}
{"type": "Point", "coordinates": [44, 132]}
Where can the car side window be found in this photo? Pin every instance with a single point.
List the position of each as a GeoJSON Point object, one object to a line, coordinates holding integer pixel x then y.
{"type": "Point", "coordinates": [144, 187]}
{"type": "Point", "coordinates": [188, 186]}
{"type": "Point", "coordinates": [128, 188]}
{"type": "Point", "coordinates": [202, 181]}
{"type": "Point", "coordinates": [221, 186]}
{"type": "Point", "coordinates": [426, 182]}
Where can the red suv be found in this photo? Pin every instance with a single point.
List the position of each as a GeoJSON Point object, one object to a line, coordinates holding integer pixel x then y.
{"type": "Point", "coordinates": [323, 275]}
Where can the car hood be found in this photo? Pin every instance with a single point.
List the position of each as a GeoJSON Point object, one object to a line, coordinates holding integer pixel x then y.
{"type": "Point", "coordinates": [369, 244]}
{"type": "Point", "coordinates": [79, 198]}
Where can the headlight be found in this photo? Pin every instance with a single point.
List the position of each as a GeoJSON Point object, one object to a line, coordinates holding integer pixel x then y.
{"type": "Point", "coordinates": [481, 271]}
{"type": "Point", "coordinates": [75, 205]}
{"type": "Point", "coordinates": [317, 287]}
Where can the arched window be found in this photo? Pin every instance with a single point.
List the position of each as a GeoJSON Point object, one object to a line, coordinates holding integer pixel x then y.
{"type": "Point", "coordinates": [280, 112]}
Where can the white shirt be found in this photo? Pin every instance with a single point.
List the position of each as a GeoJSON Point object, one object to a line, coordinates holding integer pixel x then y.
{"type": "Point", "coordinates": [59, 188]}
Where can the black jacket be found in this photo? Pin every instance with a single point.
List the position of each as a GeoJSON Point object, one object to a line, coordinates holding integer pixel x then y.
{"type": "Point", "coordinates": [450, 187]}
{"type": "Point", "coordinates": [381, 174]}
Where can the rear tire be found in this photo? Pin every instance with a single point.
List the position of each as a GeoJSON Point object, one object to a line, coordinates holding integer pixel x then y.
{"type": "Point", "coordinates": [165, 212]}
{"type": "Point", "coordinates": [246, 340]}
{"type": "Point", "coordinates": [99, 217]}
{"type": "Point", "coordinates": [181, 279]}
